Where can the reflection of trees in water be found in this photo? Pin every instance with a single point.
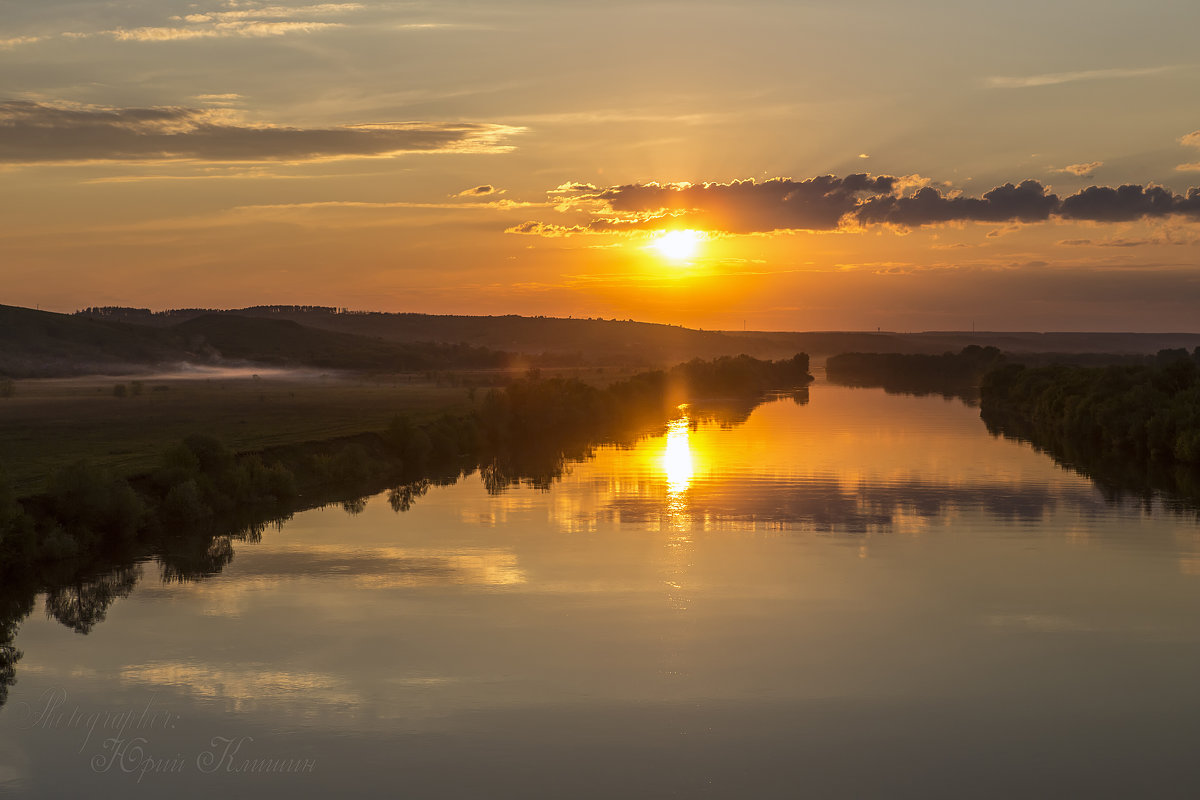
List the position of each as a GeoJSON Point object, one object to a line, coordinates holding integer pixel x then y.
{"type": "Point", "coordinates": [1175, 485]}
{"type": "Point", "coordinates": [186, 559]}
{"type": "Point", "coordinates": [947, 390]}
{"type": "Point", "coordinates": [401, 498]}
{"type": "Point", "coordinates": [13, 608]}
{"type": "Point", "coordinates": [84, 604]}
{"type": "Point", "coordinates": [533, 468]}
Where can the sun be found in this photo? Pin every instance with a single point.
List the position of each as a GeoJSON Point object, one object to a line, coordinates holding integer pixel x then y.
{"type": "Point", "coordinates": [678, 245]}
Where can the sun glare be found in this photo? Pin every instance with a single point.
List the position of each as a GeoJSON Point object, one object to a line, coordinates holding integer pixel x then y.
{"type": "Point", "coordinates": [677, 456]}
{"type": "Point", "coordinates": [678, 245]}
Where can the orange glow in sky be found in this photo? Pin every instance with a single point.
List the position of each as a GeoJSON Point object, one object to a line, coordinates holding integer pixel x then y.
{"type": "Point", "coordinates": [664, 186]}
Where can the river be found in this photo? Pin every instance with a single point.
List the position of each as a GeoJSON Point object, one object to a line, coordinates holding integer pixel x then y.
{"type": "Point", "coordinates": [864, 595]}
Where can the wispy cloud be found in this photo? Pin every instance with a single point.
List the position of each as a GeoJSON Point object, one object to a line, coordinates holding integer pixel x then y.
{"type": "Point", "coordinates": [1054, 78]}
{"type": "Point", "coordinates": [1081, 170]}
{"type": "Point", "coordinates": [251, 22]}
{"type": "Point", "coordinates": [271, 12]}
{"type": "Point", "coordinates": [241, 29]}
{"type": "Point", "coordinates": [39, 133]}
{"type": "Point", "coordinates": [245, 21]}
{"type": "Point", "coordinates": [479, 191]}
{"type": "Point", "coordinates": [500, 205]}
{"type": "Point", "coordinates": [6, 44]}
{"type": "Point", "coordinates": [1190, 140]}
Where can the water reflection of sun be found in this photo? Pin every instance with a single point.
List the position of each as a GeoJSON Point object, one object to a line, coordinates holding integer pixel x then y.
{"type": "Point", "coordinates": [677, 456]}
{"type": "Point", "coordinates": [679, 467]}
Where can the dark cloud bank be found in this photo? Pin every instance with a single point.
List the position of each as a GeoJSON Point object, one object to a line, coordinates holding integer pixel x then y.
{"type": "Point", "coordinates": [41, 133]}
{"type": "Point", "coordinates": [828, 203]}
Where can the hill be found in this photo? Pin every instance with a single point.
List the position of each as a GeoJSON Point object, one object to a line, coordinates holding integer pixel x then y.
{"type": "Point", "coordinates": [285, 342]}
{"type": "Point", "coordinates": [40, 344]}
{"type": "Point", "coordinates": [602, 341]}
{"type": "Point", "coordinates": [556, 339]}
{"type": "Point", "coordinates": [44, 344]}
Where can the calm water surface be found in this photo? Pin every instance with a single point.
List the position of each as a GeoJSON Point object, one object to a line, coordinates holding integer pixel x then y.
{"type": "Point", "coordinates": [864, 596]}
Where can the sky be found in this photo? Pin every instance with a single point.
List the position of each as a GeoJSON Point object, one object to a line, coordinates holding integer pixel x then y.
{"type": "Point", "coordinates": [762, 164]}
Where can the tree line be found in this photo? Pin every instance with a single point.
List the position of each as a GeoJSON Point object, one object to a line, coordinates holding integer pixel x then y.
{"type": "Point", "coordinates": [1147, 412]}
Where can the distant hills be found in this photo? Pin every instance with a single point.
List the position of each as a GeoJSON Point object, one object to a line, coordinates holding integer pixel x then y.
{"type": "Point", "coordinates": [627, 341]}
{"type": "Point", "coordinates": [117, 340]}
{"type": "Point", "coordinates": [44, 344]}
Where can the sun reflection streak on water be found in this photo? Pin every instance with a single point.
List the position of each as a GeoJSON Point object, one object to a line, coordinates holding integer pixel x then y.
{"type": "Point", "coordinates": [677, 457]}
{"type": "Point", "coordinates": [679, 468]}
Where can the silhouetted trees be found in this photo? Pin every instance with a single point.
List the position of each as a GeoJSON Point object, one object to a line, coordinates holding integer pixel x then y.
{"type": "Point", "coordinates": [1145, 412]}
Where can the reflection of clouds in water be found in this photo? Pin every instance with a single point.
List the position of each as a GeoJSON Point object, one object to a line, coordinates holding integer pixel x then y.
{"type": "Point", "coordinates": [243, 686]}
{"type": "Point", "coordinates": [386, 566]}
{"type": "Point", "coordinates": [336, 699]}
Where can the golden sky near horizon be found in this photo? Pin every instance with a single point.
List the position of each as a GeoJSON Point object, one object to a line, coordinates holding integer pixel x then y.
{"type": "Point", "coordinates": [779, 165]}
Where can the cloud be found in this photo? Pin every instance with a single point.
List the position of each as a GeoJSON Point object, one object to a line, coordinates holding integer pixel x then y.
{"type": "Point", "coordinates": [551, 231]}
{"type": "Point", "coordinates": [572, 187]}
{"type": "Point", "coordinates": [6, 44]}
{"type": "Point", "coordinates": [1055, 78]}
{"type": "Point", "coordinates": [1026, 202]}
{"type": "Point", "coordinates": [1082, 170]}
{"type": "Point", "coordinates": [32, 133]}
{"type": "Point", "coordinates": [242, 29]}
{"type": "Point", "coordinates": [479, 191]}
{"type": "Point", "coordinates": [1128, 202]}
{"type": "Point", "coordinates": [830, 203]}
{"type": "Point", "coordinates": [271, 12]}
{"type": "Point", "coordinates": [1190, 140]}
{"type": "Point", "coordinates": [252, 23]}
{"type": "Point", "coordinates": [741, 206]}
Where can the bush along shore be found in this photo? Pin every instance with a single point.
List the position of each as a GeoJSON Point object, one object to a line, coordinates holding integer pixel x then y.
{"type": "Point", "coordinates": [1133, 429]}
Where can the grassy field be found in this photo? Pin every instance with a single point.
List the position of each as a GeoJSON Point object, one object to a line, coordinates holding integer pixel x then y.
{"type": "Point", "coordinates": [50, 422]}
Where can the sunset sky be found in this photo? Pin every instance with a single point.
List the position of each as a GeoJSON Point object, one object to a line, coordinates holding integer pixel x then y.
{"type": "Point", "coordinates": [841, 165]}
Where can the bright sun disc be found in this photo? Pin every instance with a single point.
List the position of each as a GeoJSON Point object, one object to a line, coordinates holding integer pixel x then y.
{"type": "Point", "coordinates": [678, 245]}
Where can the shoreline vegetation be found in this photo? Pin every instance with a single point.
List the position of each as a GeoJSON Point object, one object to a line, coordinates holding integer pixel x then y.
{"type": "Point", "coordinates": [81, 540]}
{"type": "Point", "coordinates": [1132, 429]}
